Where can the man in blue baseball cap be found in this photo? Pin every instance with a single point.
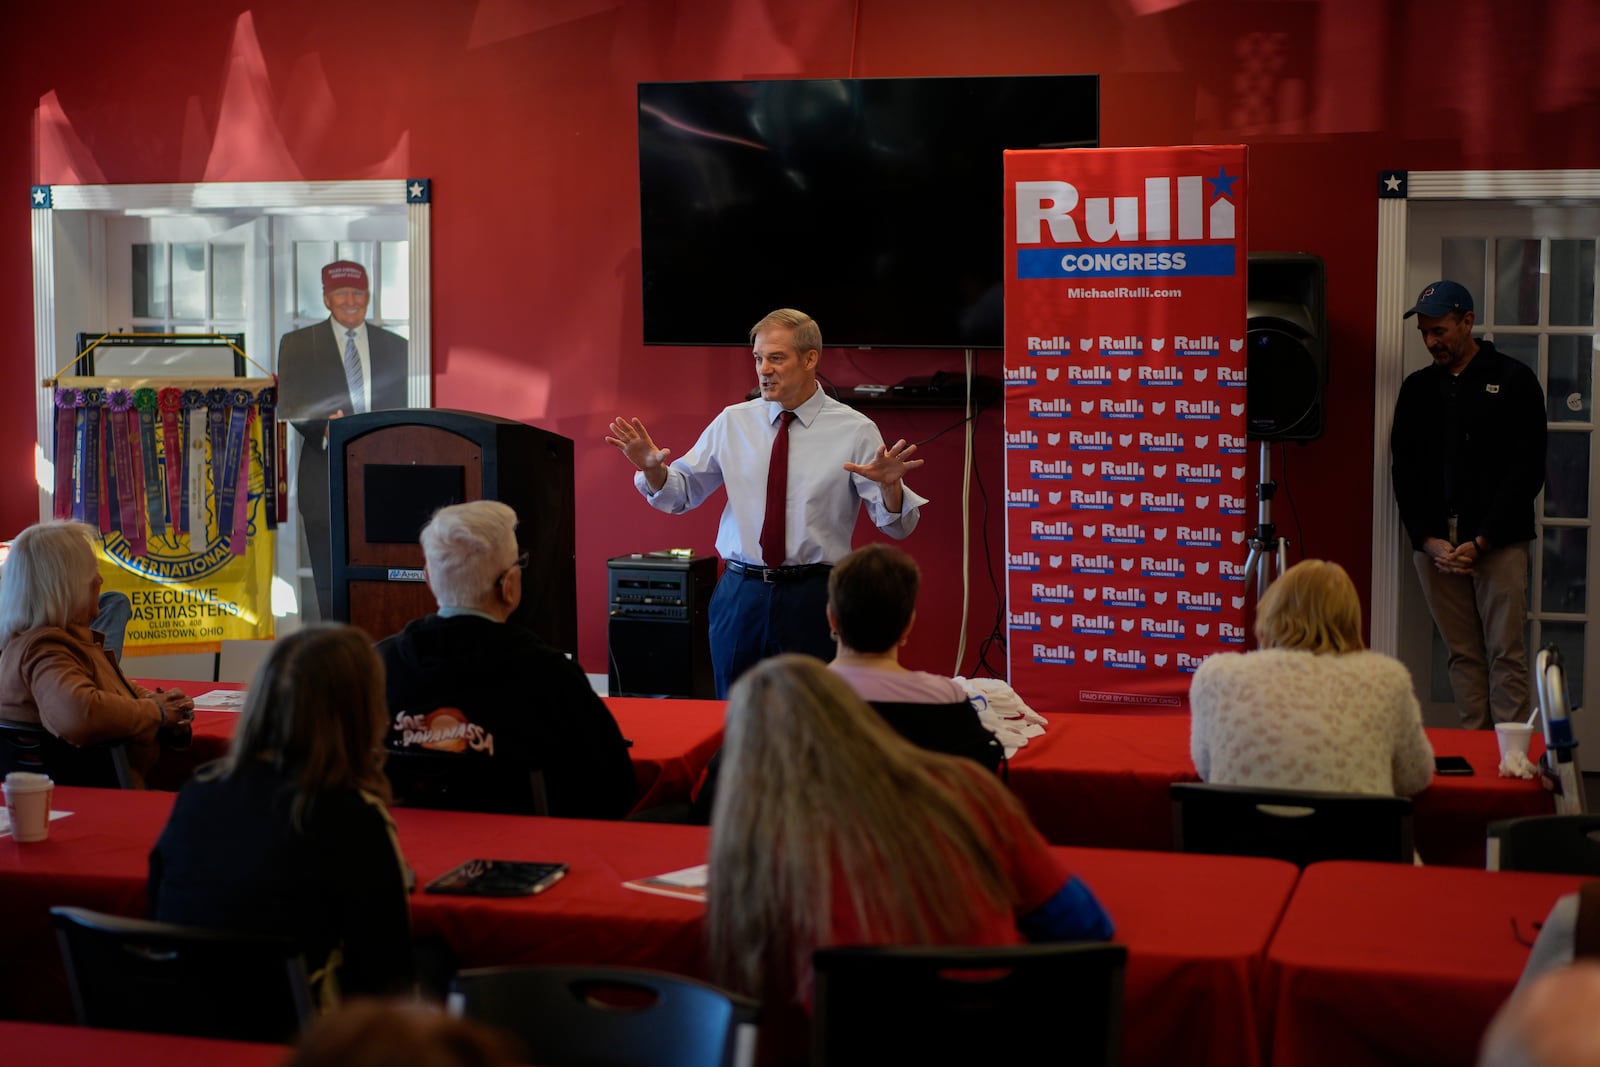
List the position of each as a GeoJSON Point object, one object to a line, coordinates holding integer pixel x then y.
{"type": "Point", "coordinates": [1468, 454]}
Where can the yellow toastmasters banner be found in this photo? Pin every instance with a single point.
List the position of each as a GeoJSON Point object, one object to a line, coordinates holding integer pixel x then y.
{"type": "Point", "coordinates": [185, 480]}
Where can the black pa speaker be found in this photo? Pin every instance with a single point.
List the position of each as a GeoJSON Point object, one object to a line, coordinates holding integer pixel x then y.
{"type": "Point", "coordinates": [1287, 346]}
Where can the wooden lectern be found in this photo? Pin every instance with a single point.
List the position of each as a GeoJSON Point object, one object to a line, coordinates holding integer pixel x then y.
{"type": "Point", "coordinates": [390, 470]}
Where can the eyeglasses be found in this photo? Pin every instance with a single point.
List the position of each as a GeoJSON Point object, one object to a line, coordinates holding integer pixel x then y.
{"type": "Point", "coordinates": [521, 564]}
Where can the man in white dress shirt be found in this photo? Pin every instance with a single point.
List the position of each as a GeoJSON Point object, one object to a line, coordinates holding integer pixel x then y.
{"type": "Point", "coordinates": [785, 523]}
{"type": "Point", "coordinates": [341, 366]}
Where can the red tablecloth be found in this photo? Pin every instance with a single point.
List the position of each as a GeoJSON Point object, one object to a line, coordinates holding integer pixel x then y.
{"type": "Point", "coordinates": [1103, 780]}
{"type": "Point", "coordinates": [42, 1045]}
{"type": "Point", "coordinates": [673, 740]}
{"type": "Point", "coordinates": [1387, 964]}
{"type": "Point", "coordinates": [1196, 927]}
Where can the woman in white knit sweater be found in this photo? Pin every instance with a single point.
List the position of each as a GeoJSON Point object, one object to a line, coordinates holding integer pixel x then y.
{"type": "Point", "coordinates": [1312, 709]}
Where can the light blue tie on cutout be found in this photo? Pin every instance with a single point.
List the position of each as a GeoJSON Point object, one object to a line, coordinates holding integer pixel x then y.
{"type": "Point", "coordinates": [352, 372]}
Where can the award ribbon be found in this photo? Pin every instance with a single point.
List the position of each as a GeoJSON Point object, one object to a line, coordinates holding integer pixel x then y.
{"type": "Point", "coordinates": [241, 514]}
{"type": "Point", "coordinates": [122, 437]}
{"type": "Point", "coordinates": [69, 421]}
{"type": "Point", "coordinates": [144, 402]}
{"type": "Point", "coordinates": [94, 511]}
{"type": "Point", "coordinates": [217, 427]}
{"type": "Point", "coordinates": [169, 402]}
{"type": "Point", "coordinates": [228, 499]}
{"type": "Point", "coordinates": [194, 468]}
{"type": "Point", "coordinates": [271, 461]}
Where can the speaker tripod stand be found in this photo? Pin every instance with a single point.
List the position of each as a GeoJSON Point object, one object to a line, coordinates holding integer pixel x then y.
{"type": "Point", "coordinates": [1267, 549]}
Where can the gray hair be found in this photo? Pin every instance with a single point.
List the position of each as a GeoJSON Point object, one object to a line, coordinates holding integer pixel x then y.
{"type": "Point", "coordinates": [468, 546]}
{"type": "Point", "coordinates": [44, 576]}
{"type": "Point", "coordinates": [803, 329]}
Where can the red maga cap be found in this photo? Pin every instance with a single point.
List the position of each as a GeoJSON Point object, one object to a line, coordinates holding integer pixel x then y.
{"type": "Point", "coordinates": [343, 274]}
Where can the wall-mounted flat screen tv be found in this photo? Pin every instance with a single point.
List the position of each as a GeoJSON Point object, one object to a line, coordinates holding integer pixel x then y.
{"type": "Point", "coordinates": [873, 204]}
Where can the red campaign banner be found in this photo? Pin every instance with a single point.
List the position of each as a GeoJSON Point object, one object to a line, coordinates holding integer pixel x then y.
{"type": "Point", "coordinates": [1125, 422]}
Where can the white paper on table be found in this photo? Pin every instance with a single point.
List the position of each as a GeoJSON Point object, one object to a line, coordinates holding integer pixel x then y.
{"type": "Point", "coordinates": [5, 820]}
{"type": "Point", "coordinates": [221, 700]}
{"type": "Point", "coordinates": [686, 884]}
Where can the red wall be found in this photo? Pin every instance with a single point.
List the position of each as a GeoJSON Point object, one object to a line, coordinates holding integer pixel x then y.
{"type": "Point", "coordinates": [522, 113]}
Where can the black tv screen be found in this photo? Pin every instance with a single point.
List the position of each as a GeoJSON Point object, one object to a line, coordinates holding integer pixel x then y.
{"type": "Point", "coordinates": [872, 204]}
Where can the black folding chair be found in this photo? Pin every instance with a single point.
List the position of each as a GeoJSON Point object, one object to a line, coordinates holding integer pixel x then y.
{"type": "Point", "coordinates": [609, 1016]}
{"type": "Point", "coordinates": [1556, 844]}
{"type": "Point", "coordinates": [133, 974]}
{"type": "Point", "coordinates": [28, 747]}
{"type": "Point", "coordinates": [423, 779]}
{"type": "Point", "coordinates": [1042, 1003]}
{"type": "Point", "coordinates": [1296, 825]}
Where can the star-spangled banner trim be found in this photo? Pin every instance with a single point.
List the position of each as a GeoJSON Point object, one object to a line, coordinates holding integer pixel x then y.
{"type": "Point", "coordinates": [1392, 184]}
{"type": "Point", "coordinates": [419, 190]}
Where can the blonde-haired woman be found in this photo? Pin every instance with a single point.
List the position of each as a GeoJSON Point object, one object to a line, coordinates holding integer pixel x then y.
{"type": "Point", "coordinates": [1312, 709]}
{"type": "Point", "coordinates": [831, 829]}
{"type": "Point", "coordinates": [288, 833]}
{"type": "Point", "coordinates": [54, 668]}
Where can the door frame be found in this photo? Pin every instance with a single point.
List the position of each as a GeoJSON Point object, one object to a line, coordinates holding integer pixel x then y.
{"type": "Point", "coordinates": [1395, 189]}
{"type": "Point", "coordinates": [64, 266]}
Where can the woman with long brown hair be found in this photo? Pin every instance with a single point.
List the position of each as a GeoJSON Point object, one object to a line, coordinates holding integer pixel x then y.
{"type": "Point", "coordinates": [831, 829]}
{"type": "Point", "coordinates": [289, 832]}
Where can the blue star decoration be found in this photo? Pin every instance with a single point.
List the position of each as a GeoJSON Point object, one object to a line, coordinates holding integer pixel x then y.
{"type": "Point", "coordinates": [39, 196]}
{"type": "Point", "coordinates": [1392, 185]}
{"type": "Point", "coordinates": [1222, 185]}
{"type": "Point", "coordinates": [419, 190]}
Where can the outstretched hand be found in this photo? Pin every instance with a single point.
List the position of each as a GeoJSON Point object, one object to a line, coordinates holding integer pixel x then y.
{"type": "Point", "coordinates": [633, 440]}
{"type": "Point", "coordinates": [889, 465]}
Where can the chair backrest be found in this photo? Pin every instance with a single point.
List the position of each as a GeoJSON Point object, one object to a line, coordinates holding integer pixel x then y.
{"type": "Point", "coordinates": [132, 974]}
{"type": "Point", "coordinates": [1042, 1003]}
{"type": "Point", "coordinates": [1295, 825]}
{"type": "Point", "coordinates": [424, 779]}
{"type": "Point", "coordinates": [953, 728]}
{"type": "Point", "coordinates": [1557, 844]}
{"type": "Point", "coordinates": [608, 1016]}
{"type": "Point", "coordinates": [27, 747]}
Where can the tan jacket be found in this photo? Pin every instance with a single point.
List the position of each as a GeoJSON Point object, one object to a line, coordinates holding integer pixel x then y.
{"type": "Point", "coordinates": [65, 680]}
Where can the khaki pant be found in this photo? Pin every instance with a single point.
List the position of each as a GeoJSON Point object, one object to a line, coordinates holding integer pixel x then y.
{"type": "Point", "coordinates": [1481, 618]}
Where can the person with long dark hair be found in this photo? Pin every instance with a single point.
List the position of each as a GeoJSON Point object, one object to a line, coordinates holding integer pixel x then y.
{"type": "Point", "coordinates": [289, 833]}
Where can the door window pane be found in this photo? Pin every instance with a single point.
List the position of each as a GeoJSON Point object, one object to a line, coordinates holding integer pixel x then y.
{"type": "Point", "coordinates": [394, 300]}
{"type": "Point", "coordinates": [1516, 282]}
{"type": "Point", "coordinates": [188, 281]}
{"type": "Point", "coordinates": [1571, 283]}
{"type": "Point", "coordinates": [1461, 260]}
{"type": "Point", "coordinates": [309, 259]}
{"type": "Point", "coordinates": [1568, 637]}
{"type": "Point", "coordinates": [227, 281]}
{"type": "Point", "coordinates": [1565, 573]}
{"type": "Point", "coordinates": [1523, 347]}
{"type": "Point", "coordinates": [150, 281]}
{"type": "Point", "coordinates": [1566, 478]}
{"type": "Point", "coordinates": [1570, 394]}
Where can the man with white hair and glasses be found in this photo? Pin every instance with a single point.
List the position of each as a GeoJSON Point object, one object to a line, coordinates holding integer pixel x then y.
{"type": "Point", "coordinates": [467, 685]}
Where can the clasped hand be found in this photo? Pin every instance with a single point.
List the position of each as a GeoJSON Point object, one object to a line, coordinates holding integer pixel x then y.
{"type": "Point", "coordinates": [1448, 559]}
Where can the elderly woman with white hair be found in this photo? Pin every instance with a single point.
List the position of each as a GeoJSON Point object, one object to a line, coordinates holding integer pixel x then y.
{"type": "Point", "coordinates": [55, 670]}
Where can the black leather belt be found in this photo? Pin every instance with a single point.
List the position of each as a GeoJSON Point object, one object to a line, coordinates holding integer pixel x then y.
{"type": "Point", "coordinates": [798, 573]}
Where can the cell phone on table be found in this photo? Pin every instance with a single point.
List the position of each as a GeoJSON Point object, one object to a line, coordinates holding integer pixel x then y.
{"type": "Point", "coordinates": [498, 878]}
{"type": "Point", "coordinates": [1451, 765]}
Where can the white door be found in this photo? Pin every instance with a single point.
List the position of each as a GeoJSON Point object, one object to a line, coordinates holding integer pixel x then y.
{"type": "Point", "coordinates": [1533, 273]}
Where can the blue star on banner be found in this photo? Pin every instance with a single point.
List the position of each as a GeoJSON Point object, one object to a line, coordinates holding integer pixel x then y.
{"type": "Point", "coordinates": [1392, 185]}
{"type": "Point", "coordinates": [419, 190]}
{"type": "Point", "coordinates": [39, 196]}
{"type": "Point", "coordinates": [1222, 185]}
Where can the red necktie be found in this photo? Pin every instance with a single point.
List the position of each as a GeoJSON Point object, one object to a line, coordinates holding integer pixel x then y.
{"type": "Point", "coordinates": [772, 527]}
